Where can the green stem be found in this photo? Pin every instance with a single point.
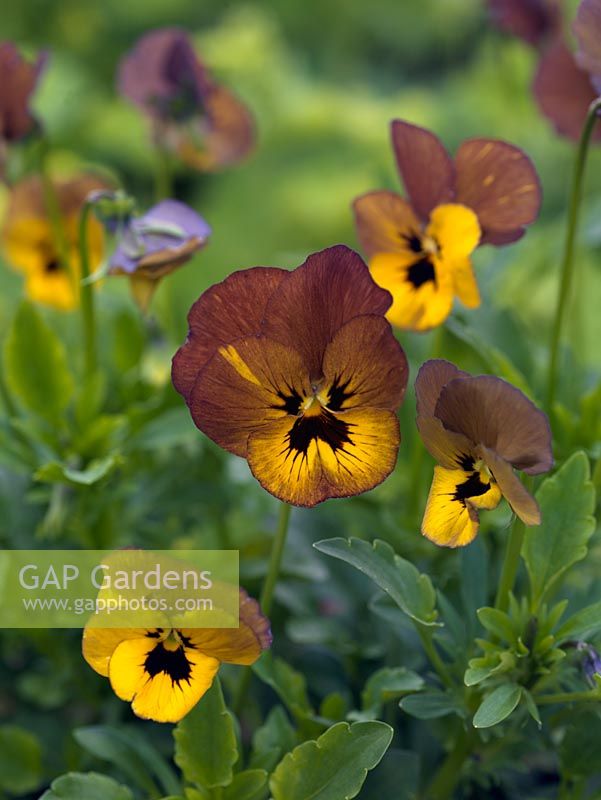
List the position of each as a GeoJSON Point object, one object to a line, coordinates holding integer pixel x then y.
{"type": "Point", "coordinates": [275, 561]}
{"type": "Point", "coordinates": [266, 598]}
{"type": "Point", "coordinates": [512, 559]}
{"type": "Point", "coordinates": [88, 314]}
{"type": "Point", "coordinates": [567, 265]}
{"type": "Point", "coordinates": [568, 697]}
{"type": "Point", "coordinates": [446, 779]}
{"type": "Point", "coordinates": [163, 179]}
{"type": "Point", "coordinates": [425, 634]}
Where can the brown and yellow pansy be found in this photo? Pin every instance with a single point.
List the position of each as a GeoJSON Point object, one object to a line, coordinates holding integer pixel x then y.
{"type": "Point", "coordinates": [299, 373]}
{"type": "Point", "coordinates": [31, 240]}
{"type": "Point", "coordinates": [478, 429]}
{"type": "Point", "coordinates": [420, 248]}
{"type": "Point", "coordinates": [163, 672]}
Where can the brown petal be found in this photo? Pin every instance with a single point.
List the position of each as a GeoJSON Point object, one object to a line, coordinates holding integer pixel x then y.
{"type": "Point", "coordinates": [425, 166]}
{"type": "Point", "coordinates": [227, 311]}
{"type": "Point", "coordinates": [365, 366]}
{"type": "Point", "coordinates": [19, 79]}
{"type": "Point", "coordinates": [385, 222]}
{"type": "Point", "coordinates": [587, 27]}
{"type": "Point", "coordinates": [499, 182]}
{"type": "Point", "coordinates": [530, 20]}
{"type": "Point", "coordinates": [494, 413]}
{"type": "Point", "coordinates": [315, 300]}
{"type": "Point", "coordinates": [245, 387]}
{"type": "Point", "coordinates": [432, 376]}
{"type": "Point", "coordinates": [563, 91]}
{"type": "Point", "coordinates": [514, 491]}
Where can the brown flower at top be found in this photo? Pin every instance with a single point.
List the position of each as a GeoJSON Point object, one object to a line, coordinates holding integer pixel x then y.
{"type": "Point", "coordinates": [420, 248]}
{"type": "Point", "coordinates": [477, 429]}
{"type": "Point", "coordinates": [195, 117]}
{"type": "Point", "coordinates": [299, 373]}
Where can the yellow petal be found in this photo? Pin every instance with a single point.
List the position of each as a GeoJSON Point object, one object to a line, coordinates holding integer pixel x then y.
{"type": "Point", "coordinates": [163, 683]}
{"type": "Point", "coordinates": [99, 644]}
{"type": "Point", "coordinates": [456, 231]}
{"type": "Point", "coordinates": [464, 281]}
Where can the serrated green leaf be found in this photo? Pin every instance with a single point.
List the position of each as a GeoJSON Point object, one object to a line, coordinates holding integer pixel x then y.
{"type": "Point", "coordinates": [272, 740]}
{"type": "Point", "coordinates": [410, 590]}
{"type": "Point", "coordinates": [289, 684]}
{"type": "Point", "coordinates": [20, 760]}
{"type": "Point", "coordinates": [567, 501]}
{"type": "Point", "coordinates": [35, 365]}
{"type": "Point", "coordinates": [88, 785]}
{"type": "Point", "coordinates": [248, 785]}
{"type": "Point", "coordinates": [334, 766]}
{"type": "Point", "coordinates": [431, 705]}
{"type": "Point", "coordinates": [498, 705]}
{"type": "Point", "coordinates": [206, 747]}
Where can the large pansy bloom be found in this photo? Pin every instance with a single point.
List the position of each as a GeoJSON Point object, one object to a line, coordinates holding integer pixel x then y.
{"type": "Point", "coordinates": [47, 251]}
{"type": "Point", "coordinates": [419, 248]}
{"type": "Point", "coordinates": [163, 672]}
{"type": "Point", "coordinates": [155, 244]}
{"type": "Point", "coordinates": [478, 429]}
{"type": "Point", "coordinates": [200, 120]}
{"type": "Point", "coordinates": [299, 373]}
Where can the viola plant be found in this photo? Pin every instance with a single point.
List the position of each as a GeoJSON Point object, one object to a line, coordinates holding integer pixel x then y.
{"type": "Point", "coordinates": [419, 248]}
{"type": "Point", "coordinates": [300, 374]}
{"type": "Point", "coordinates": [192, 116]}
{"type": "Point", "coordinates": [165, 671]}
{"type": "Point", "coordinates": [40, 238]}
{"type": "Point", "coordinates": [477, 429]}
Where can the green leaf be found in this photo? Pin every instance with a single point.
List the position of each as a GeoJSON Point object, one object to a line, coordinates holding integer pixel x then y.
{"type": "Point", "coordinates": [132, 753]}
{"type": "Point", "coordinates": [411, 591]}
{"type": "Point", "coordinates": [289, 684]}
{"type": "Point", "coordinates": [567, 501]}
{"type": "Point", "coordinates": [90, 785]}
{"type": "Point", "coordinates": [431, 705]}
{"type": "Point", "coordinates": [55, 472]}
{"type": "Point", "coordinates": [383, 782]}
{"type": "Point", "coordinates": [498, 623]}
{"type": "Point", "coordinates": [498, 705]}
{"type": "Point", "coordinates": [35, 365]}
{"type": "Point", "coordinates": [205, 741]}
{"type": "Point", "coordinates": [334, 766]}
{"type": "Point", "coordinates": [272, 740]}
{"type": "Point", "coordinates": [249, 785]}
{"type": "Point", "coordinates": [388, 684]}
{"type": "Point", "coordinates": [584, 624]}
{"type": "Point", "coordinates": [20, 760]}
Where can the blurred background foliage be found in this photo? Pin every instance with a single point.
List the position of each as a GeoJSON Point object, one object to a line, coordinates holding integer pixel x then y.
{"type": "Point", "coordinates": [323, 79]}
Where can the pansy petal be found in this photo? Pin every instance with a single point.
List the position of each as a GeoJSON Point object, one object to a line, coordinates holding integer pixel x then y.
{"type": "Point", "coordinates": [465, 284]}
{"type": "Point", "coordinates": [385, 222]}
{"type": "Point", "coordinates": [162, 683]}
{"type": "Point", "coordinates": [311, 459]}
{"type": "Point", "coordinates": [587, 27]}
{"type": "Point", "coordinates": [19, 79]}
{"type": "Point", "coordinates": [99, 644]}
{"type": "Point", "coordinates": [449, 521]}
{"type": "Point", "coordinates": [432, 376]}
{"type": "Point", "coordinates": [563, 91]}
{"type": "Point", "coordinates": [316, 299]}
{"type": "Point", "coordinates": [514, 491]}
{"type": "Point", "coordinates": [530, 20]}
{"type": "Point", "coordinates": [245, 386]}
{"type": "Point", "coordinates": [230, 310]}
{"type": "Point", "coordinates": [494, 413]}
{"type": "Point", "coordinates": [225, 135]}
{"type": "Point", "coordinates": [425, 166]}
{"type": "Point", "coordinates": [364, 365]}
{"type": "Point", "coordinates": [451, 450]}
{"type": "Point", "coordinates": [422, 298]}
{"type": "Point", "coordinates": [499, 182]}
{"type": "Point", "coordinates": [456, 231]}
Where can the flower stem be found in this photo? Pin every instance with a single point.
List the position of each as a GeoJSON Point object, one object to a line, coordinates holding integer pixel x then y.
{"type": "Point", "coordinates": [567, 266]}
{"type": "Point", "coordinates": [512, 558]}
{"type": "Point", "coordinates": [568, 697]}
{"type": "Point", "coordinates": [88, 314]}
{"type": "Point", "coordinates": [446, 779]}
{"type": "Point", "coordinates": [425, 634]}
{"type": "Point", "coordinates": [163, 179]}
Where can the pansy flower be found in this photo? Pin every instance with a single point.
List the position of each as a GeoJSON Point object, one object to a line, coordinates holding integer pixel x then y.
{"type": "Point", "coordinates": [193, 116]}
{"type": "Point", "coordinates": [563, 85]}
{"type": "Point", "coordinates": [420, 247]}
{"type": "Point", "coordinates": [19, 80]}
{"type": "Point", "coordinates": [299, 373]}
{"type": "Point", "coordinates": [49, 258]}
{"type": "Point", "coordinates": [155, 244]}
{"type": "Point", "coordinates": [163, 672]}
{"type": "Point", "coordinates": [478, 429]}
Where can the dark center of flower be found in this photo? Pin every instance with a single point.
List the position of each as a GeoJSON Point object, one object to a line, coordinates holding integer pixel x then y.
{"type": "Point", "coordinates": [173, 663]}
{"type": "Point", "coordinates": [421, 272]}
{"type": "Point", "coordinates": [472, 487]}
{"type": "Point", "coordinates": [325, 426]}
{"type": "Point", "coordinates": [52, 265]}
